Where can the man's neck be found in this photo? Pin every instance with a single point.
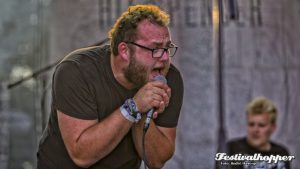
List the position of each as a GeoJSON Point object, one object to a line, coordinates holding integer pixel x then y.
{"type": "Point", "coordinates": [264, 147]}
{"type": "Point", "coordinates": [117, 66]}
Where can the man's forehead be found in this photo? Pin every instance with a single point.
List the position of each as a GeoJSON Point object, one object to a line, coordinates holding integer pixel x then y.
{"type": "Point", "coordinates": [154, 33]}
{"type": "Point", "coordinates": [263, 116]}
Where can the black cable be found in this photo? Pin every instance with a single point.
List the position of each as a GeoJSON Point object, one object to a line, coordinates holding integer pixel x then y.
{"type": "Point", "coordinates": [146, 126]}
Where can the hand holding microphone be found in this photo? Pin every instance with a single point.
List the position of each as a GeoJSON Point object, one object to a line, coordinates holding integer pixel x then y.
{"type": "Point", "coordinates": [153, 97]}
{"type": "Point", "coordinates": [150, 113]}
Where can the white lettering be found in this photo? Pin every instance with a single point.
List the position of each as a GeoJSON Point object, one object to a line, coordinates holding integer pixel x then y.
{"type": "Point", "coordinates": [219, 156]}
{"type": "Point", "coordinates": [255, 157]}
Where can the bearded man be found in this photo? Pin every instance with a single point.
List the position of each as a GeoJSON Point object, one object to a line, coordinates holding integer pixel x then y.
{"type": "Point", "coordinates": [101, 96]}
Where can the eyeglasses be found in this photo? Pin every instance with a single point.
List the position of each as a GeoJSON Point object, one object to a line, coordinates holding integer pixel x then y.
{"type": "Point", "coordinates": [158, 52]}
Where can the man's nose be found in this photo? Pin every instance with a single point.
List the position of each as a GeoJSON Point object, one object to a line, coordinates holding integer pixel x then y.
{"type": "Point", "coordinates": [255, 128]}
{"type": "Point", "coordinates": [165, 57]}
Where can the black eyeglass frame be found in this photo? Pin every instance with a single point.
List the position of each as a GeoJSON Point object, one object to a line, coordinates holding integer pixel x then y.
{"type": "Point", "coordinates": [154, 49]}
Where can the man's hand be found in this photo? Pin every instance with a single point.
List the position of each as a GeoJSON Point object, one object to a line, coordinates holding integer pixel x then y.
{"type": "Point", "coordinates": [155, 94]}
{"type": "Point", "coordinates": [159, 142]}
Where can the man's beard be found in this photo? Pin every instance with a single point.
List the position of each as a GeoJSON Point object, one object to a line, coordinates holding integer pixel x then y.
{"type": "Point", "coordinates": [136, 73]}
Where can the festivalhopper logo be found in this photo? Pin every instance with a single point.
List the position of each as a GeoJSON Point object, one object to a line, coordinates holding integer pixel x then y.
{"type": "Point", "coordinates": [256, 161]}
{"type": "Point", "coordinates": [255, 157]}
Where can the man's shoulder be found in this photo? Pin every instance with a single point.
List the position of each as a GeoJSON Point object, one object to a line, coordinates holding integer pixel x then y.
{"type": "Point", "coordinates": [84, 61]}
{"type": "Point", "coordinates": [235, 141]}
{"type": "Point", "coordinates": [88, 54]}
{"type": "Point", "coordinates": [174, 73]}
{"type": "Point", "coordinates": [279, 149]}
{"type": "Point", "coordinates": [174, 70]}
{"type": "Point", "coordinates": [174, 78]}
{"type": "Point", "coordinates": [237, 145]}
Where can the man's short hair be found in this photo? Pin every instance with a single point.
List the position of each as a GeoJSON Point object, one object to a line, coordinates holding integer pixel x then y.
{"type": "Point", "coordinates": [125, 27]}
{"type": "Point", "coordinates": [260, 105]}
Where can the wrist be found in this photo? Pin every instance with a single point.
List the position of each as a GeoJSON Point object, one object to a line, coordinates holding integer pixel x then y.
{"type": "Point", "coordinates": [130, 111]}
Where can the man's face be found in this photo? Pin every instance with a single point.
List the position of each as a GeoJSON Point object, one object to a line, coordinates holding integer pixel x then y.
{"type": "Point", "coordinates": [259, 130]}
{"type": "Point", "coordinates": [142, 67]}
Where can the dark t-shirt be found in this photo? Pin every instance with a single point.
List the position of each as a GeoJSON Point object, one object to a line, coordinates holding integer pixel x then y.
{"type": "Point", "coordinates": [84, 87]}
{"type": "Point", "coordinates": [240, 146]}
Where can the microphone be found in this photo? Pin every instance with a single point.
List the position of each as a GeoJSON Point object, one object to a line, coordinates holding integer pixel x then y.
{"type": "Point", "coordinates": [150, 112]}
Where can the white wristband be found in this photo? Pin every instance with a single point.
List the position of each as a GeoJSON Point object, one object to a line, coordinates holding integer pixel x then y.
{"type": "Point", "coordinates": [126, 114]}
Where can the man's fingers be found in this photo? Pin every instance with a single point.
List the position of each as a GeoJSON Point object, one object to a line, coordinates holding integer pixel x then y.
{"type": "Point", "coordinates": [166, 99]}
{"type": "Point", "coordinates": [169, 92]}
{"type": "Point", "coordinates": [155, 115]}
{"type": "Point", "coordinates": [155, 104]}
{"type": "Point", "coordinates": [154, 94]}
{"type": "Point", "coordinates": [160, 84]}
{"type": "Point", "coordinates": [159, 91]}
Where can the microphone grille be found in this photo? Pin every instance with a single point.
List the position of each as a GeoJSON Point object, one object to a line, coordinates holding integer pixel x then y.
{"type": "Point", "coordinates": [160, 78]}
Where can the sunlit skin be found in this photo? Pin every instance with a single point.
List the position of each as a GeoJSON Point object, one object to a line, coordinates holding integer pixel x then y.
{"type": "Point", "coordinates": [151, 36]}
{"type": "Point", "coordinates": [259, 131]}
{"type": "Point", "coordinates": [160, 141]}
{"type": "Point", "coordinates": [142, 67]}
{"type": "Point", "coordinates": [136, 66]}
{"type": "Point", "coordinates": [151, 94]}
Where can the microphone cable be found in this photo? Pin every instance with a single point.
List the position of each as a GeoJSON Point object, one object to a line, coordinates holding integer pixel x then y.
{"type": "Point", "coordinates": [145, 129]}
{"type": "Point", "coordinates": [147, 123]}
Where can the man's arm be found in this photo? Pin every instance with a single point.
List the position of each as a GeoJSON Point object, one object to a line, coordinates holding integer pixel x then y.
{"type": "Point", "coordinates": [88, 141]}
{"type": "Point", "coordinates": [159, 143]}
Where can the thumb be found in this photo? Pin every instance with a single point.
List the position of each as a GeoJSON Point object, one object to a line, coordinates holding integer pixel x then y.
{"type": "Point", "coordinates": [155, 114]}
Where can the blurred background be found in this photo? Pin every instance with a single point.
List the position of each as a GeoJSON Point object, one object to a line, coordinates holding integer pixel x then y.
{"type": "Point", "coordinates": [255, 51]}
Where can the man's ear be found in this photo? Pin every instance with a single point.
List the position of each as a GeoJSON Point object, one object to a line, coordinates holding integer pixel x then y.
{"type": "Point", "coordinates": [123, 51]}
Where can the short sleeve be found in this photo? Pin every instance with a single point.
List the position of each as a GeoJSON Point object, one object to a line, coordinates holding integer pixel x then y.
{"type": "Point", "coordinates": [71, 93]}
{"type": "Point", "coordinates": [169, 118]}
